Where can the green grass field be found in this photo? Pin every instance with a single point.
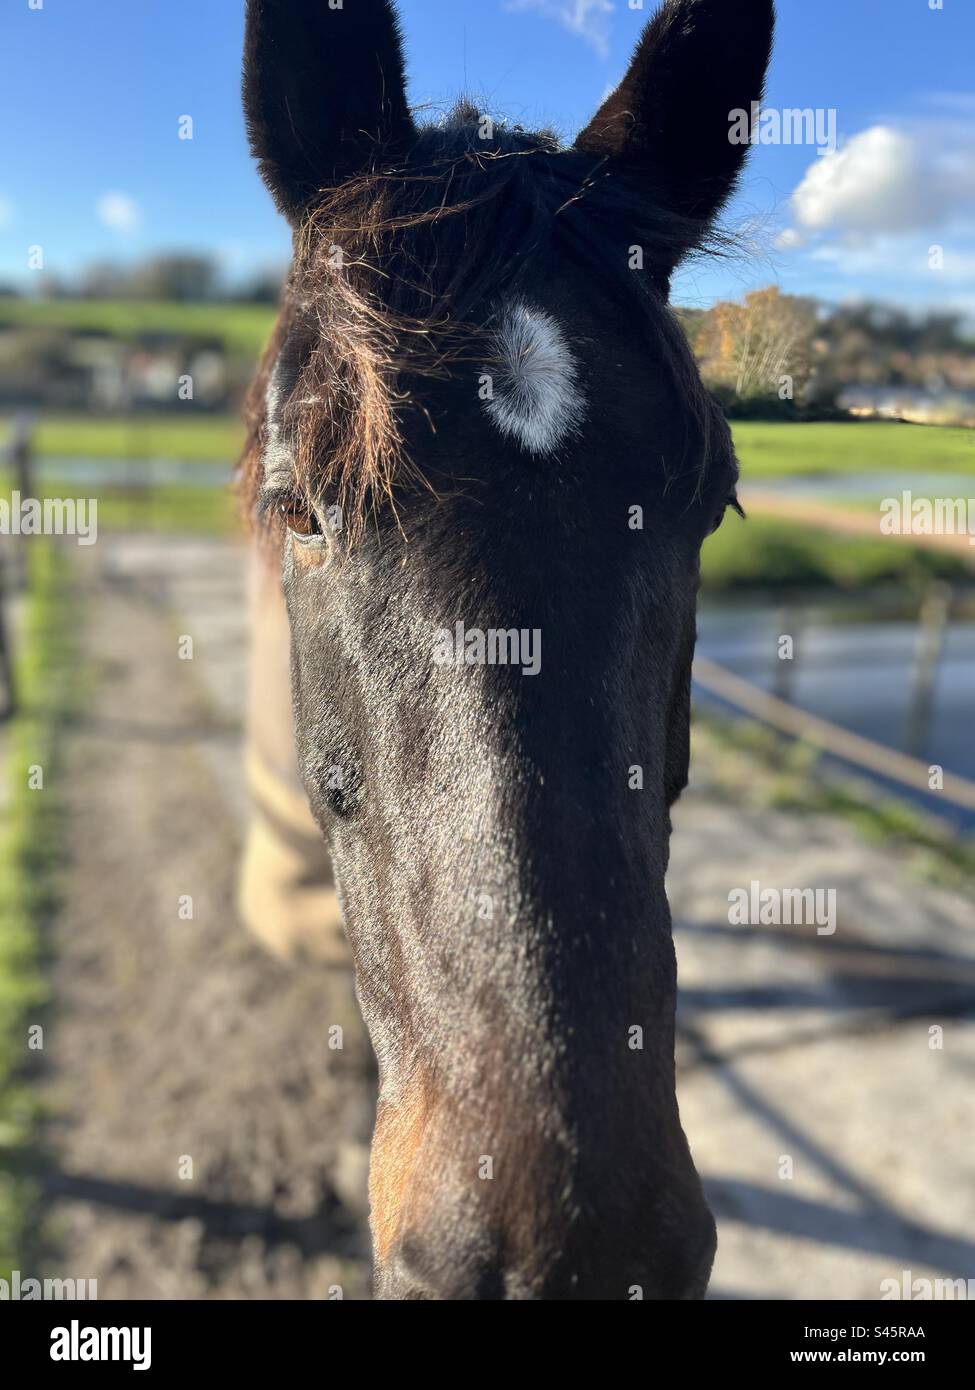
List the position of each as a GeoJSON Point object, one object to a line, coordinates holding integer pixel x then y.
{"type": "Point", "coordinates": [208, 438]}
{"type": "Point", "coordinates": [212, 511]}
{"type": "Point", "coordinates": [772, 450]}
{"type": "Point", "coordinates": [766, 450]}
{"type": "Point", "coordinates": [243, 328]}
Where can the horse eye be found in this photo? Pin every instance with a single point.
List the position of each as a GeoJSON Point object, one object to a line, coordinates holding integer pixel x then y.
{"type": "Point", "coordinates": [299, 517]}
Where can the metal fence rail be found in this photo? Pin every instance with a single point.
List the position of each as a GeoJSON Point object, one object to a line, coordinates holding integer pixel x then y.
{"type": "Point", "coordinates": [831, 738]}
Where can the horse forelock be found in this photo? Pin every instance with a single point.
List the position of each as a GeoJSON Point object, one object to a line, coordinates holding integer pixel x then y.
{"type": "Point", "coordinates": [399, 274]}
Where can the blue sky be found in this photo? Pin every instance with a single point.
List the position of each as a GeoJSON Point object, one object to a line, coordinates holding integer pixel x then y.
{"type": "Point", "coordinates": [93, 90]}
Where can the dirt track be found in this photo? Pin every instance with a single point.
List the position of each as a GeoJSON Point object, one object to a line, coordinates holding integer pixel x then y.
{"type": "Point", "coordinates": [176, 1038]}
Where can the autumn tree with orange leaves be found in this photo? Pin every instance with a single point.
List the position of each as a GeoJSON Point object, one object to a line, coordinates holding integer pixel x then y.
{"type": "Point", "coordinates": [760, 348]}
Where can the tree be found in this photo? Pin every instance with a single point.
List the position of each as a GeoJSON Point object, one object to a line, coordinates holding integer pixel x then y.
{"type": "Point", "coordinates": [188, 278]}
{"type": "Point", "coordinates": [754, 347]}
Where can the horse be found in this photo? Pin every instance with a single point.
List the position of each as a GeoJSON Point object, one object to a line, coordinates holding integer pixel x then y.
{"type": "Point", "coordinates": [480, 450]}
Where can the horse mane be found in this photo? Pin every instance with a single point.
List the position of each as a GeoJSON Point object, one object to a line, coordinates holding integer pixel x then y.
{"type": "Point", "coordinates": [389, 266]}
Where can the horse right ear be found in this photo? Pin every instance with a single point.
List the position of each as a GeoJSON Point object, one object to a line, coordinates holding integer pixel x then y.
{"type": "Point", "coordinates": [697, 63]}
{"type": "Point", "coordinates": [324, 93]}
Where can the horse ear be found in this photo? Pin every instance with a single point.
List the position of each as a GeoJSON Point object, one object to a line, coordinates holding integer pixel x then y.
{"type": "Point", "coordinates": [697, 63]}
{"type": "Point", "coordinates": [324, 93]}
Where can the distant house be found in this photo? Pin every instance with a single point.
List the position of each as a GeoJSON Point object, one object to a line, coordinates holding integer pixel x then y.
{"type": "Point", "coordinates": [918, 405]}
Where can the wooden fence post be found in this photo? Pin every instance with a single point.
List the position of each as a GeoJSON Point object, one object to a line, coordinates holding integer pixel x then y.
{"type": "Point", "coordinates": [932, 626]}
{"type": "Point", "coordinates": [21, 450]}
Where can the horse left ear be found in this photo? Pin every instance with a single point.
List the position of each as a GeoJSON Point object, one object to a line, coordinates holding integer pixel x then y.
{"type": "Point", "coordinates": [324, 93]}
{"type": "Point", "coordinates": [697, 63]}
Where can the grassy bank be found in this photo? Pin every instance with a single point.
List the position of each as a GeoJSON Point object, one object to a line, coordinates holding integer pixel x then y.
{"type": "Point", "coordinates": [30, 843]}
{"type": "Point", "coordinates": [203, 511]}
{"type": "Point", "coordinates": [766, 552]}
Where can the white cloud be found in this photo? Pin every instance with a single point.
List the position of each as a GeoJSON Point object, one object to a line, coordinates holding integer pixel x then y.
{"type": "Point", "coordinates": [589, 19]}
{"type": "Point", "coordinates": [886, 181]}
{"type": "Point", "coordinates": [118, 212]}
{"type": "Point", "coordinates": [871, 214]}
{"type": "Point", "coordinates": [876, 183]}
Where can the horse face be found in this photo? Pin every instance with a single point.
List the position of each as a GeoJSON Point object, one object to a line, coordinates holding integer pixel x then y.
{"type": "Point", "coordinates": [493, 625]}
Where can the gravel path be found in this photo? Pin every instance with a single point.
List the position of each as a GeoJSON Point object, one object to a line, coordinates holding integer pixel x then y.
{"type": "Point", "coordinates": [210, 1142]}
{"type": "Point", "coordinates": [834, 1138]}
